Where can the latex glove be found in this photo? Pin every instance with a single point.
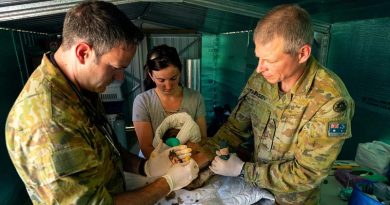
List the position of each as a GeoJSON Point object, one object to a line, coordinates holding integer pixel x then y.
{"type": "Point", "coordinates": [179, 175]}
{"type": "Point", "coordinates": [231, 167]}
{"type": "Point", "coordinates": [159, 162]}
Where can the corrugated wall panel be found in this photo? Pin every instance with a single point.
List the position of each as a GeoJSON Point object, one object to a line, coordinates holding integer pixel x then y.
{"type": "Point", "coordinates": [134, 76]}
{"type": "Point", "coordinates": [187, 45]}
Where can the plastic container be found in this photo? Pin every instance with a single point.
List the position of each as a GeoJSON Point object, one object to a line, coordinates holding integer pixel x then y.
{"type": "Point", "coordinates": [359, 197]}
{"type": "Point", "coordinates": [119, 129]}
{"type": "Point", "coordinates": [112, 93]}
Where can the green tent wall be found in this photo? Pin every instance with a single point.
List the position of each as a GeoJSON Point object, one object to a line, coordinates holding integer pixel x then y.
{"type": "Point", "coordinates": [17, 52]}
{"type": "Point", "coordinates": [359, 53]}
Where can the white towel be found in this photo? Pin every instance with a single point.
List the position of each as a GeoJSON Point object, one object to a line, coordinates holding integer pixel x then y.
{"type": "Point", "coordinates": [221, 190]}
{"type": "Point", "coordinates": [189, 130]}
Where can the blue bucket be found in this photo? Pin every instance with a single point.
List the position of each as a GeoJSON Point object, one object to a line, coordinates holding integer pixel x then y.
{"type": "Point", "coordinates": [358, 197]}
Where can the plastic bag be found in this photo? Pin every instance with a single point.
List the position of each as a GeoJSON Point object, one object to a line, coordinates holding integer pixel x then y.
{"type": "Point", "coordinates": [374, 155]}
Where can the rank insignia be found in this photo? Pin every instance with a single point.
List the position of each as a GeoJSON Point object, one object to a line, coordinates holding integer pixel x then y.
{"type": "Point", "coordinates": [337, 128]}
{"type": "Point", "coordinates": [340, 106]}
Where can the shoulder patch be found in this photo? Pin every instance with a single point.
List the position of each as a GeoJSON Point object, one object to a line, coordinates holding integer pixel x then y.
{"type": "Point", "coordinates": [69, 161]}
{"type": "Point", "coordinates": [337, 129]}
{"type": "Point", "coordinates": [340, 106]}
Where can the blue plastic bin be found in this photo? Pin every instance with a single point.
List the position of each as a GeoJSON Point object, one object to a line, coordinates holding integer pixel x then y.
{"type": "Point", "coordinates": [358, 197]}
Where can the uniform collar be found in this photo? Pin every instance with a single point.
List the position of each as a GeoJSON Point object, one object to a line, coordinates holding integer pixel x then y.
{"type": "Point", "coordinates": [301, 87]}
{"type": "Point", "coordinates": [304, 83]}
{"type": "Point", "coordinates": [54, 75]}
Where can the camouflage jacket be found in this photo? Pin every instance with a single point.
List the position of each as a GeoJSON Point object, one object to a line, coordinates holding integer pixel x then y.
{"type": "Point", "coordinates": [60, 155]}
{"type": "Point", "coordinates": [297, 135]}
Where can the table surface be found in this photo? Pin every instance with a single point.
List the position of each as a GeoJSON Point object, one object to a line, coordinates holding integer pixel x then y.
{"type": "Point", "coordinates": [330, 192]}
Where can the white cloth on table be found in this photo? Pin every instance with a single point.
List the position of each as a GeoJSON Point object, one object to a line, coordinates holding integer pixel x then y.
{"type": "Point", "coordinates": [220, 190]}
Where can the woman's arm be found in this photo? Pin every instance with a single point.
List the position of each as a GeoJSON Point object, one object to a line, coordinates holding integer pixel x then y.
{"type": "Point", "coordinates": [201, 121]}
{"type": "Point", "coordinates": [200, 118]}
{"type": "Point", "coordinates": [198, 156]}
{"type": "Point", "coordinates": [144, 133]}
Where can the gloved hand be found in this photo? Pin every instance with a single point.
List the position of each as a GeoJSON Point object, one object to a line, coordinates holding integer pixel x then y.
{"type": "Point", "coordinates": [179, 175]}
{"type": "Point", "coordinates": [159, 162]}
{"type": "Point", "coordinates": [231, 167]}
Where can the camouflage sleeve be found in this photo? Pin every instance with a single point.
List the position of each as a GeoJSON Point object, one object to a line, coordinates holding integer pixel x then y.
{"type": "Point", "coordinates": [319, 142]}
{"type": "Point", "coordinates": [237, 127]}
{"type": "Point", "coordinates": [59, 168]}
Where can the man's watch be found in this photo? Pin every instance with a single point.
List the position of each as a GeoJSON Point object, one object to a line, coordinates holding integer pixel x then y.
{"type": "Point", "coordinates": [241, 175]}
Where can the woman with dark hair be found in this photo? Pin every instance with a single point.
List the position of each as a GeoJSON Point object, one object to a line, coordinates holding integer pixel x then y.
{"type": "Point", "coordinates": [164, 96]}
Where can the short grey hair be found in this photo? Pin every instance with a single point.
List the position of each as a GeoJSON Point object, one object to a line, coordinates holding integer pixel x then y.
{"type": "Point", "coordinates": [288, 21]}
{"type": "Point", "coordinates": [101, 24]}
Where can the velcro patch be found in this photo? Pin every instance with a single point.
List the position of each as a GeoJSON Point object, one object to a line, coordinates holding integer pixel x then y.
{"type": "Point", "coordinates": [69, 161]}
{"type": "Point", "coordinates": [337, 128]}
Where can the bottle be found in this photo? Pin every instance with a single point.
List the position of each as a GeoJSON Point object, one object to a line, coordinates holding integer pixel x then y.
{"type": "Point", "coordinates": [120, 131]}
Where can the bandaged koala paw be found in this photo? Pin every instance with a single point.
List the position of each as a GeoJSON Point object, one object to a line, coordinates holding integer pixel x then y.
{"type": "Point", "coordinates": [180, 156]}
{"type": "Point", "coordinates": [175, 159]}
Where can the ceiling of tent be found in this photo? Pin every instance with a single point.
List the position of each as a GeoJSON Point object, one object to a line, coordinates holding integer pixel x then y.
{"type": "Point", "coordinates": [209, 16]}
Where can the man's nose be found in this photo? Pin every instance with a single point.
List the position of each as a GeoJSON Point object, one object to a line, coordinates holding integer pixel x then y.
{"type": "Point", "coordinates": [260, 66]}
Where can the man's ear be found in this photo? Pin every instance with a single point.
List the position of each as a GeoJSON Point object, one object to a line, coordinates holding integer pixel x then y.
{"type": "Point", "coordinates": [304, 53]}
{"type": "Point", "coordinates": [83, 52]}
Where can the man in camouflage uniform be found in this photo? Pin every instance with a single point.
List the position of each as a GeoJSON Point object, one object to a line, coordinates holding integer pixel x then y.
{"type": "Point", "coordinates": [298, 112]}
{"type": "Point", "coordinates": [59, 140]}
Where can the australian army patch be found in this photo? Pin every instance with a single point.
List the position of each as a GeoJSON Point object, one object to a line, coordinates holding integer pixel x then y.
{"type": "Point", "coordinates": [337, 128]}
